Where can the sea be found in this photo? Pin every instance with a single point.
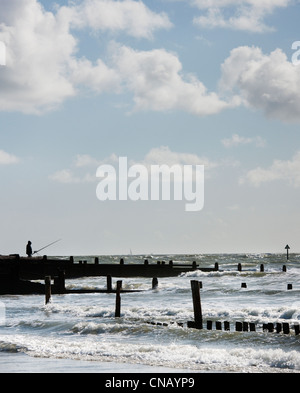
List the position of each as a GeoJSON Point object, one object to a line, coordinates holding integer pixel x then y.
{"type": "Point", "coordinates": [78, 333]}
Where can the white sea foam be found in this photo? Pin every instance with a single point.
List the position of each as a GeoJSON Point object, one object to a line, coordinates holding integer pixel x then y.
{"type": "Point", "coordinates": [173, 355]}
{"type": "Point", "coordinates": [84, 327]}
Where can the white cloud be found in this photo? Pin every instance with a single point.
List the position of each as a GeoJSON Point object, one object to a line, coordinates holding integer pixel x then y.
{"type": "Point", "coordinates": [82, 170]}
{"type": "Point", "coordinates": [84, 160]}
{"type": "Point", "coordinates": [288, 171]}
{"type": "Point", "coordinates": [237, 140]}
{"type": "Point", "coordinates": [131, 17]}
{"type": "Point", "coordinates": [42, 67]}
{"type": "Point", "coordinates": [7, 158]}
{"type": "Point", "coordinates": [84, 166]}
{"type": "Point", "coordinates": [65, 176]}
{"type": "Point", "coordinates": [98, 78]}
{"type": "Point", "coordinates": [266, 82]}
{"type": "Point", "coordinates": [156, 80]}
{"type": "Point", "coordinates": [163, 155]}
{"type": "Point", "coordinates": [39, 48]}
{"type": "Point", "coordinates": [247, 15]}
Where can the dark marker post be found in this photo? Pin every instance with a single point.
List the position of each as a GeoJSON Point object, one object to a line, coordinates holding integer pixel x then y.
{"type": "Point", "coordinates": [287, 247]}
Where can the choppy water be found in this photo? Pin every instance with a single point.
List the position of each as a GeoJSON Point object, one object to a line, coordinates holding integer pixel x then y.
{"type": "Point", "coordinates": [83, 327]}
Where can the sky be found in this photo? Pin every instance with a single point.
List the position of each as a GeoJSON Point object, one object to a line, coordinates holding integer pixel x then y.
{"type": "Point", "coordinates": [160, 82]}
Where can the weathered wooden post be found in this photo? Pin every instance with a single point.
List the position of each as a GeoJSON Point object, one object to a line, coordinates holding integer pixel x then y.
{"type": "Point", "coordinates": [262, 268]}
{"type": "Point", "coordinates": [61, 282]}
{"type": "Point", "coordinates": [286, 328]}
{"type": "Point", "coordinates": [118, 300]}
{"type": "Point", "coordinates": [244, 285]}
{"type": "Point", "coordinates": [289, 287]}
{"type": "Point", "coordinates": [109, 283]}
{"type": "Point", "coordinates": [239, 267]}
{"type": "Point", "coordinates": [226, 326]}
{"type": "Point", "coordinates": [154, 283]}
{"type": "Point", "coordinates": [218, 325]}
{"type": "Point", "coordinates": [96, 261]}
{"type": "Point", "coordinates": [197, 304]}
{"type": "Point", "coordinates": [47, 289]}
{"type": "Point", "coordinates": [284, 268]}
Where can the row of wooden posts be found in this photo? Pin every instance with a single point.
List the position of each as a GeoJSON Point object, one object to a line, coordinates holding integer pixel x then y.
{"type": "Point", "coordinates": [171, 263]}
{"type": "Point", "coordinates": [270, 327]}
{"type": "Point", "coordinates": [278, 327]}
{"type": "Point", "coordinates": [146, 262]}
{"type": "Point", "coordinates": [59, 283]}
{"type": "Point", "coordinates": [198, 318]}
{"type": "Point", "coordinates": [261, 268]}
{"type": "Point", "coordinates": [109, 288]}
{"type": "Point", "coordinates": [244, 285]}
{"type": "Point", "coordinates": [289, 286]}
{"type": "Point", "coordinates": [239, 326]}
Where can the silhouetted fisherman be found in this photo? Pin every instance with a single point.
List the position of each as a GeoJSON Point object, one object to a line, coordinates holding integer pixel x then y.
{"type": "Point", "coordinates": [29, 249]}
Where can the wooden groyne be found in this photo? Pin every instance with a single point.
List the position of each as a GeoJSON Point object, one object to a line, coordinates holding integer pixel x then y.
{"type": "Point", "coordinates": [238, 326]}
{"type": "Point", "coordinates": [17, 272]}
{"type": "Point", "coordinates": [227, 326]}
{"type": "Point", "coordinates": [38, 268]}
{"type": "Point", "coordinates": [59, 288]}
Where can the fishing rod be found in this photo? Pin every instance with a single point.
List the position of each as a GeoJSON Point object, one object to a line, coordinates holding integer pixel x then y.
{"type": "Point", "coordinates": [43, 248]}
